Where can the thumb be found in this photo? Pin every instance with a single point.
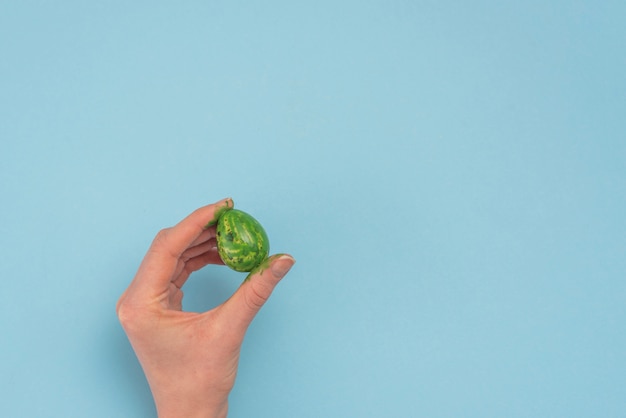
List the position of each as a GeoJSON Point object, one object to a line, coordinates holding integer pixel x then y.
{"type": "Point", "coordinates": [244, 304]}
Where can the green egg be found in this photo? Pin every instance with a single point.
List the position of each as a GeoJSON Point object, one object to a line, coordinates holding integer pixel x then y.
{"type": "Point", "coordinates": [241, 240]}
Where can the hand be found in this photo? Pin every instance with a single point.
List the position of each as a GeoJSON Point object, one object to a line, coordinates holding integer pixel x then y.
{"type": "Point", "coordinates": [190, 359]}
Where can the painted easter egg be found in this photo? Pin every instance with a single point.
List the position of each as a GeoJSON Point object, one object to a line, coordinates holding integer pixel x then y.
{"type": "Point", "coordinates": [241, 240]}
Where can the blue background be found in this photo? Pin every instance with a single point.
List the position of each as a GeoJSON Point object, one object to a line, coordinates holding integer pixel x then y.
{"type": "Point", "coordinates": [450, 176]}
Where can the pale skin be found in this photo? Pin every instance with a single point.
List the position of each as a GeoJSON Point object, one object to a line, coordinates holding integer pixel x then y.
{"type": "Point", "coordinates": [190, 359]}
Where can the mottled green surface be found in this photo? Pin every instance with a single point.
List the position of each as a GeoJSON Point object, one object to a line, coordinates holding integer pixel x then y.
{"type": "Point", "coordinates": [228, 205]}
{"type": "Point", "coordinates": [241, 240]}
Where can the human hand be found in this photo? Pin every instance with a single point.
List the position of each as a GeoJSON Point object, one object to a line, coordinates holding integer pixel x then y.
{"type": "Point", "coordinates": [191, 359]}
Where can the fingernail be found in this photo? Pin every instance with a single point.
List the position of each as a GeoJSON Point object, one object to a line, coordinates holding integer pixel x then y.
{"type": "Point", "coordinates": [222, 206]}
{"type": "Point", "coordinates": [281, 266]}
{"type": "Point", "coordinates": [227, 203]}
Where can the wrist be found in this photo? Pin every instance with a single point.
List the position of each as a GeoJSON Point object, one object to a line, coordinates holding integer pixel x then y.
{"type": "Point", "coordinates": [181, 408]}
{"type": "Point", "coordinates": [187, 397]}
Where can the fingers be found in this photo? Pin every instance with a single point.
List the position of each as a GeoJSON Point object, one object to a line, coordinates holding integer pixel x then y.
{"type": "Point", "coordinates": [187, 231]}
{"type": "Point", "coordinates": [162, 262]}
{"type": "Point", "coordinates": [244, 304]}
{"type": "Point", "coordinates": [199, 249]}
{"type": "Point", "coordinates": [206, 235]}
{"type": "Point", "coordinates": [211, 256]}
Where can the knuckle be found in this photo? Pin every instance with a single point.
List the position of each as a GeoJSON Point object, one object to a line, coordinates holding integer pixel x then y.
{"type": "Point", "coordinates": [256, 296]}
{"type": "Point", "coordinates": [161, 236]}
{"type": "Point", "coordinates": [161, 243]}
{"type": "Point", "coordinates": [124, 314]}
{"type": "Point", "coordinates": [128, 314]}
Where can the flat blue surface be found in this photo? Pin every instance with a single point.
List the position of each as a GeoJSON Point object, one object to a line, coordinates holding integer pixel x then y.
{"type": "Point", "coordinates": [450, 176]}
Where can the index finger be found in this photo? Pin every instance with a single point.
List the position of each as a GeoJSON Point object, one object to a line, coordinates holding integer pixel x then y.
{"type": "Point", "coordinates": [159, 265]}
{"type": "Point", "coordinates": [184, 233]}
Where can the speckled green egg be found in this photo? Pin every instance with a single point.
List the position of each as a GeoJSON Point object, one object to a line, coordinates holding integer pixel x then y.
{"type": "Point", "coordinates": [241, 240]}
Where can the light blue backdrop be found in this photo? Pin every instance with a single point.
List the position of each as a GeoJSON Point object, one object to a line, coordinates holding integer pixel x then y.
{"type": "Point", "coordinates": [450, 176]}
